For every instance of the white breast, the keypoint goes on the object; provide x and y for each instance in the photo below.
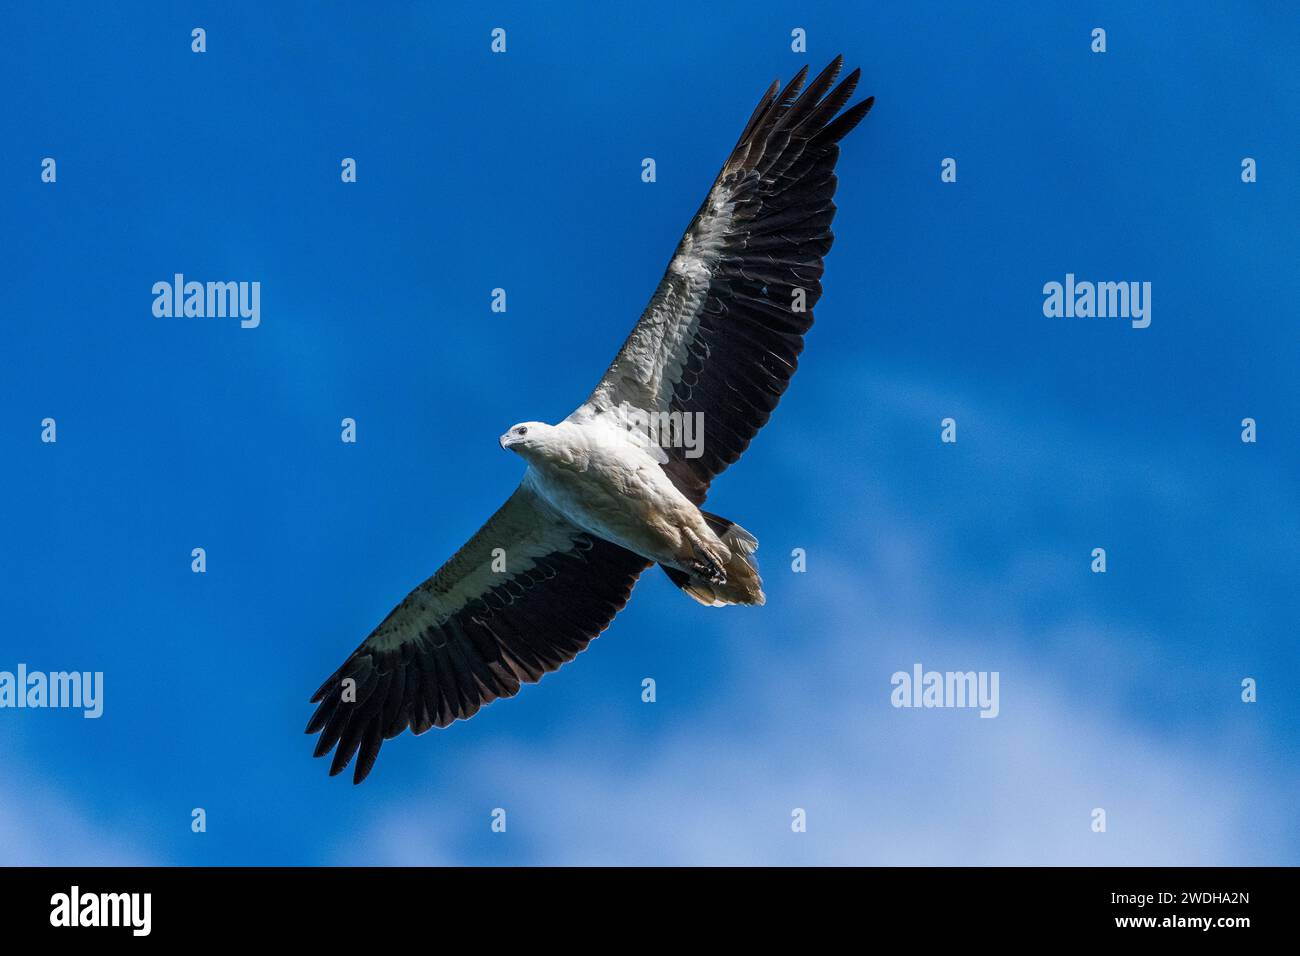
(608, 484)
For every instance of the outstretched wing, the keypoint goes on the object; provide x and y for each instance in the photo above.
(471, 633)
(723, 332)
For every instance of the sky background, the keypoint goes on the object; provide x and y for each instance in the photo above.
(1119, 691)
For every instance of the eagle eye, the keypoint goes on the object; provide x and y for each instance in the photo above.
(521, 430)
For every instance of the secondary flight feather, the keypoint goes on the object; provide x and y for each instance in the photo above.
(603, 497)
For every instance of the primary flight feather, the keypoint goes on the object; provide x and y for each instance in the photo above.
(602, 499)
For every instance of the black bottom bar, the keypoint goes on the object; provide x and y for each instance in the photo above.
(336, 906)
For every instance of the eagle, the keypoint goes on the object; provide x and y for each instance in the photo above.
(603, 496)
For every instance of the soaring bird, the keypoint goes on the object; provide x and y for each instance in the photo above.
(604, 495)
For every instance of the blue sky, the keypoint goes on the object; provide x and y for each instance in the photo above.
(522, 171)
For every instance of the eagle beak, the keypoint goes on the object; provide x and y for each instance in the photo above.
(502, 440)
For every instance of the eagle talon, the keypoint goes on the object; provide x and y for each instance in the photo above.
(709, 569)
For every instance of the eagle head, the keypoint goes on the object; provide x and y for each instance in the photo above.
(525, 437)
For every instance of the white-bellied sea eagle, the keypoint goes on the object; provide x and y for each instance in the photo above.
(601, 499)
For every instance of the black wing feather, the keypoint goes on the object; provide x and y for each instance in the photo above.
(727, 345)
(529, 624)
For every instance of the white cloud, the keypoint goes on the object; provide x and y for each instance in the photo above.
(814, 729)
(40, 826)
